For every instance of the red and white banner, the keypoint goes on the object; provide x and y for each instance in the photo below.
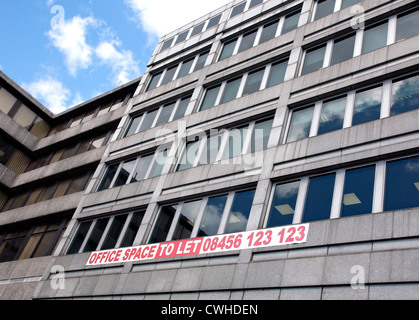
(221, 243)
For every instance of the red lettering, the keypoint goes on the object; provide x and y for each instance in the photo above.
(93, 259)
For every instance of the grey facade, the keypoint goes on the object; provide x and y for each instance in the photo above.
(326, 85)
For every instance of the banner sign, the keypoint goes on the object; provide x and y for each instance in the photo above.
(221, 243)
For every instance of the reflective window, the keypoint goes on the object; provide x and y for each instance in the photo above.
(158, 165)
(211, 149)
(240, 211)
(186, 222)
(212, 216)
(154, 81)
(96, 235)
(332, 115)
(142, 168)
(198, 29)
(253, 82)
(402, 184)
(324, 8)
(277, 74)
(358, 191)
(269, 32)
(165, 114)
(182, 37)
(367, 106)
(254, 3)
(238, 9)
(405, 95)
(230, 91)
(228, 49)
(109, 175)
(189, 155)
(300, 124)
(214, 21)
(164, 221)
(210, 97)
(260, 135)
(291, 22)
(248, 41)
(124, 173)
(235, 143)
(201, 61)
(181, 109)
(166, 45)
(148, 120)
(313, 60)
(343, 50)
(319, 197)
(168, 76)
(283, 204)
(375, 38)
(132, 229)
(407, 26)
(114, 232)
(185, 69)
(348, 3)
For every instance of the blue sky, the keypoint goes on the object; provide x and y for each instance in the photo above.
(64, 52)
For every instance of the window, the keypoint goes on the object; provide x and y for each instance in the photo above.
(367, 106)
(283, 204)
(402, 184)
(198, 29)
(214, 21)
(260, 135)
(202, 59)
(319, 197)
(313, 60)
(358, 192)
(277, 74)
(332, 115)
(254, 3)
(348, 3)
(247, 41)
(185, 69)
(168, 76)
(238, 9)
(208, 216)
(182, 37)
(300, 124)
(375, 38)
(155, 79)
(324, 8)
(291, 22)
(189, 155)
(343, 49)
(228, 49)
(269, 32)
(405, 95)
(253, 82)
(235, 143)
(230, 91)
(107, 233)
(210, 97)
(167, 44)
(407, 26)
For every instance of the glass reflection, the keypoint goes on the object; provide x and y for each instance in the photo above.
(367, 106)
(319, 198)
(240, 211)
(300, 124)
(186, 220)
(283, 204)
(405, 95)
(212, 216)
(332, 115)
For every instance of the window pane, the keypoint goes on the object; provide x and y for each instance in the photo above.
(24, 116)
(211, 149)
(185, 69)
(358, 192)
(300, 124)
(348, 3)
(154, 81)
(132, 229)
(165, 114)
(277, 74)
(163, 224)
(133, 126)
(253, 82)
(76, 185)
(319, 198)
(234, 146)
(283, 205)
(230, 90)
(186, 220)
(240, 211)
(214, 21)
(123, 175)
(108, 177)
(375, 38)
(269, 32)
(114, 232)
(254, 3)
(182, 37)
(238, 9)
(158, 164)
(197, 29)
(248, 41)
(228, 49)
(402, 184)
(260, 135)
(343, 50)
(168, 76)
(166, 45)
(46, 244)
(291, 22)
(96, 235)
(181, 109)
(188, 158)
(324, 8)
(142, 168)
(212, 216)
(148, 120)
(332, 115)
(313, 60)
(201, 61)
(210, 98)
(407, 26)
(405, 95)
(367, 106)
(7, 101)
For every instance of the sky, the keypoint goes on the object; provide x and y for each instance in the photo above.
(65, 52)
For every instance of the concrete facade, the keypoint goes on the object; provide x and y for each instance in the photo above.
(372, 256)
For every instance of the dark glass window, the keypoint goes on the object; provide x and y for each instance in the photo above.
(291, 22)
(367, 106)
(154, 81)
(163, 224)
(214, 21)
(133, 126)
(165, 114)
(158, 165)
(240, 211)
(187, 220)
(235, 143)
(402, 184)
(277, 74)
(319, 197)
(313, 60)
(358, 191)
(254, 3)
(148, 120)
(201, 61)
(210, 97)
(324, 8)
(375, 38)
(348, 3)
(166, 45)
(141, 170)
(405, 95)
(407, 26)
(269, 32)
(300, 124)
(96, 235)
(189, 155)
(114, 232)
(185, 69)
(211, 149)
(238, 9)
(212, 216)
(228, 49)
(124, 173)
(230, 91)
(107, 179)
(260, 135)
(132, 229)
(182, 37)
(181, 109)
(248, 41)
(253, 82)
(331, 117)
(343, 50)
(79, 238)
(168, 76)
(283, 204)
(198, 29)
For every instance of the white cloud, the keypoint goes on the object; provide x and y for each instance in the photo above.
(124, 66)
(69, 37)
(159, 17)
(51, 92)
